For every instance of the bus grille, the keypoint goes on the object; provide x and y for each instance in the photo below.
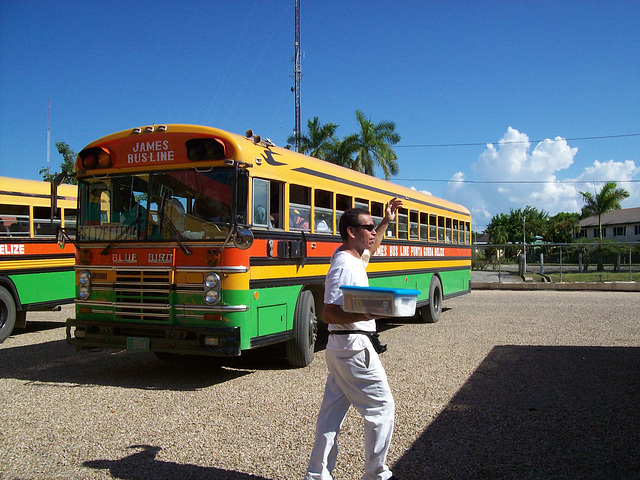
(143, 295)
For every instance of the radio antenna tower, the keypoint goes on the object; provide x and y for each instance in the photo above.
(48, 133)
(297, 73)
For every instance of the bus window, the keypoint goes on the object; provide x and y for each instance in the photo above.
(299, 207)
(276, 204)
(466, 233)
(70, 222)
(414, 233)
(455, 231)
(343, 202)
(361, 203)
(377, 212)
(448, 231)
(15, 220)
(433, 228)
(260, 202)
(441, 229)
(403, 224)
(42, 222)
(424, 226)
(323, 213)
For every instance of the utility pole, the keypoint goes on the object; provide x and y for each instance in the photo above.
(297, 73)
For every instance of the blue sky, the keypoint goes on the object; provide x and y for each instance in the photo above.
(543, 74)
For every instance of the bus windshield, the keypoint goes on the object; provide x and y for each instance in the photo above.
(170, 205)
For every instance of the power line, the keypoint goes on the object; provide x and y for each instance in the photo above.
(432, 145)
(504, 182)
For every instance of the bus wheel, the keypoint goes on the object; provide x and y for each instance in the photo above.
(431, 313)
(7, 314)
(305, 330)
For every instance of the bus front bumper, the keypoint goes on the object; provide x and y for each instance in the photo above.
(212, 341)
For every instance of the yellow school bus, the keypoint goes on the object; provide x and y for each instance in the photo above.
(35, 273)
(194, 240)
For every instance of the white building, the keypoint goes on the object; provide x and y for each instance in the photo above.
(618, 226)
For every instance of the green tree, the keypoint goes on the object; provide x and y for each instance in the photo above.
(374, 142)
(607, 199)
(67, 166)
(514, 225)
(318, 142)
(562, 226)
(510, 228)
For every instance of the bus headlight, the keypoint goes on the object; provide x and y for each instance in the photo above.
(84, 284)
(212, 288)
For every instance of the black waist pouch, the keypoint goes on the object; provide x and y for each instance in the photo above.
(373, 336)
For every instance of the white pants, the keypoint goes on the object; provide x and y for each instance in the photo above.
(358, 379)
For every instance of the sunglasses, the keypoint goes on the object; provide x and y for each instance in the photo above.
(370, 227)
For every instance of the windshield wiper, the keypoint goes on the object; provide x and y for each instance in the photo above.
(177, 236)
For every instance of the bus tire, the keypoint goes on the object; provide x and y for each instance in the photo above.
(431, 313)
(7, 314)
(301, 347)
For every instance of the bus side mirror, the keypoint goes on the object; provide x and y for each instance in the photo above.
(243, 238)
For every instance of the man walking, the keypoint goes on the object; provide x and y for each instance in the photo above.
(356, 375)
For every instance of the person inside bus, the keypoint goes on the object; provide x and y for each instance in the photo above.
(298, 220)
(356, 375)
(211, 210)
(175, 213)
(321, 224)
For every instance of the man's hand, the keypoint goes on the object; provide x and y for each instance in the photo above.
(389, 216)
(391, 209)
(332, 313)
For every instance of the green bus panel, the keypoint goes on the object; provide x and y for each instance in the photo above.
(455, 281)
(44, 287)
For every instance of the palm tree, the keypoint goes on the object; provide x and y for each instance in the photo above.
(374, 143)
(318, 141)
(606, 200)
(342, 152)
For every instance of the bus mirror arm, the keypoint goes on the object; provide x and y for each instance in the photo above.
(55, 182)
(61, 234)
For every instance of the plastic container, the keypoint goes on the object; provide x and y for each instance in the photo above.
(387, 302)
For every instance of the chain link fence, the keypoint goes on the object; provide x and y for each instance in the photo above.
(588, 262)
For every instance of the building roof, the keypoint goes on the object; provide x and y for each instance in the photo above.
(624, 216)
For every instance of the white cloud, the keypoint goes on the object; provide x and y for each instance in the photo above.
(620, 172)
(426, 192)
(531, 178)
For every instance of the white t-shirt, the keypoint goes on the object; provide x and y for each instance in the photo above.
(346, 270)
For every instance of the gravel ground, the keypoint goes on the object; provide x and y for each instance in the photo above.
(508, 385)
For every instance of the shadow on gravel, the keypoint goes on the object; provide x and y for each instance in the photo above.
(144, 466)
(37, 326)
(57, 362)
(537, 413)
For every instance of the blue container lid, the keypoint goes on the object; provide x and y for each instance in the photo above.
(395, 291)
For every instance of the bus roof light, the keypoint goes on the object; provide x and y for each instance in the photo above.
(97, 157)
